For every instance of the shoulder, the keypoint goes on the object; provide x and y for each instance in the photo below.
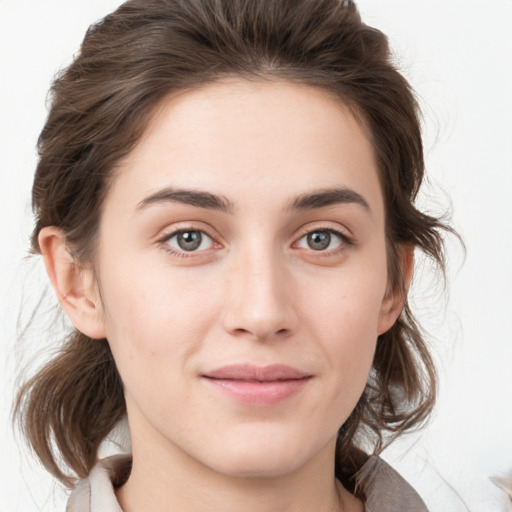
(386, 490)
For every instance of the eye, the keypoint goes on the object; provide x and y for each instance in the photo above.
(322, 240)
(190, 240)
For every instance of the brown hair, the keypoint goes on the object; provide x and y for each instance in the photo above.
(100, 107)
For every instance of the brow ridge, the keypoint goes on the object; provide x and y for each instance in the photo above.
(191, 197)
(328, 197)
(308, 201)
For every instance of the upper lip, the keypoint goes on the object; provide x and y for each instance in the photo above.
(250, 372)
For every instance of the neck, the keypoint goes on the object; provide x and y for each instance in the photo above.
(166, 480)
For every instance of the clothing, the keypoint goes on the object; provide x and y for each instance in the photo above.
(385, 489)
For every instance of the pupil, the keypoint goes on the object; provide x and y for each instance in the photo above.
(189, 240)
(319, 240)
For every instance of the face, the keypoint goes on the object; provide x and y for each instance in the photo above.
(242, 272)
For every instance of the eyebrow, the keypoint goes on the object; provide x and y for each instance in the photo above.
(307, 201)
(328, 197)
(191, 197)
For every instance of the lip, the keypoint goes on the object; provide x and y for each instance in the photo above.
(257, 385)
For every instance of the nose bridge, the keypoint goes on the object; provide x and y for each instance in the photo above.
(260, 302)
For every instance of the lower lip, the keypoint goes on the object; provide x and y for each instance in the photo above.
(258, 393)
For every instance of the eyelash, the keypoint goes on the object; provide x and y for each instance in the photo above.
(164, 242)
(345, 241)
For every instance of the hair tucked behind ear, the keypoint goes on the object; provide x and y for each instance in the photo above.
(128, 63)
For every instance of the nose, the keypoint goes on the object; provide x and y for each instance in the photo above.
(259, 300)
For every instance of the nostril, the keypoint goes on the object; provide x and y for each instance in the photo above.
(244, 332)
(283, 333)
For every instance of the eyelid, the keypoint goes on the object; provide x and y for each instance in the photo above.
(346, 238)
(333, 227)
(183, 227)
(205, 239)
(344, 234)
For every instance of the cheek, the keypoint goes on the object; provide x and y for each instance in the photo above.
(347, 312)
(350, 302)
(151, 317)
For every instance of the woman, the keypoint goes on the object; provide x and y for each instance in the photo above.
(225, 208)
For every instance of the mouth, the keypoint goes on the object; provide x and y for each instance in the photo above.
(257, 385)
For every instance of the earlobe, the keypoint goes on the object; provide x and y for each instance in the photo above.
(75, 287)
(394, 300)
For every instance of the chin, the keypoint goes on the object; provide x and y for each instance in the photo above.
(262, 456)
(258, 466)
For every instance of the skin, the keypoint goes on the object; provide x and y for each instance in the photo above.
(255, 291)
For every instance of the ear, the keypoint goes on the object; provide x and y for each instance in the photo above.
(394, 300)
(75, 287)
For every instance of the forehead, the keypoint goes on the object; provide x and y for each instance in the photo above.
(252, 139)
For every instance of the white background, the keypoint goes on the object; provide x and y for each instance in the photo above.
(458, 56)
